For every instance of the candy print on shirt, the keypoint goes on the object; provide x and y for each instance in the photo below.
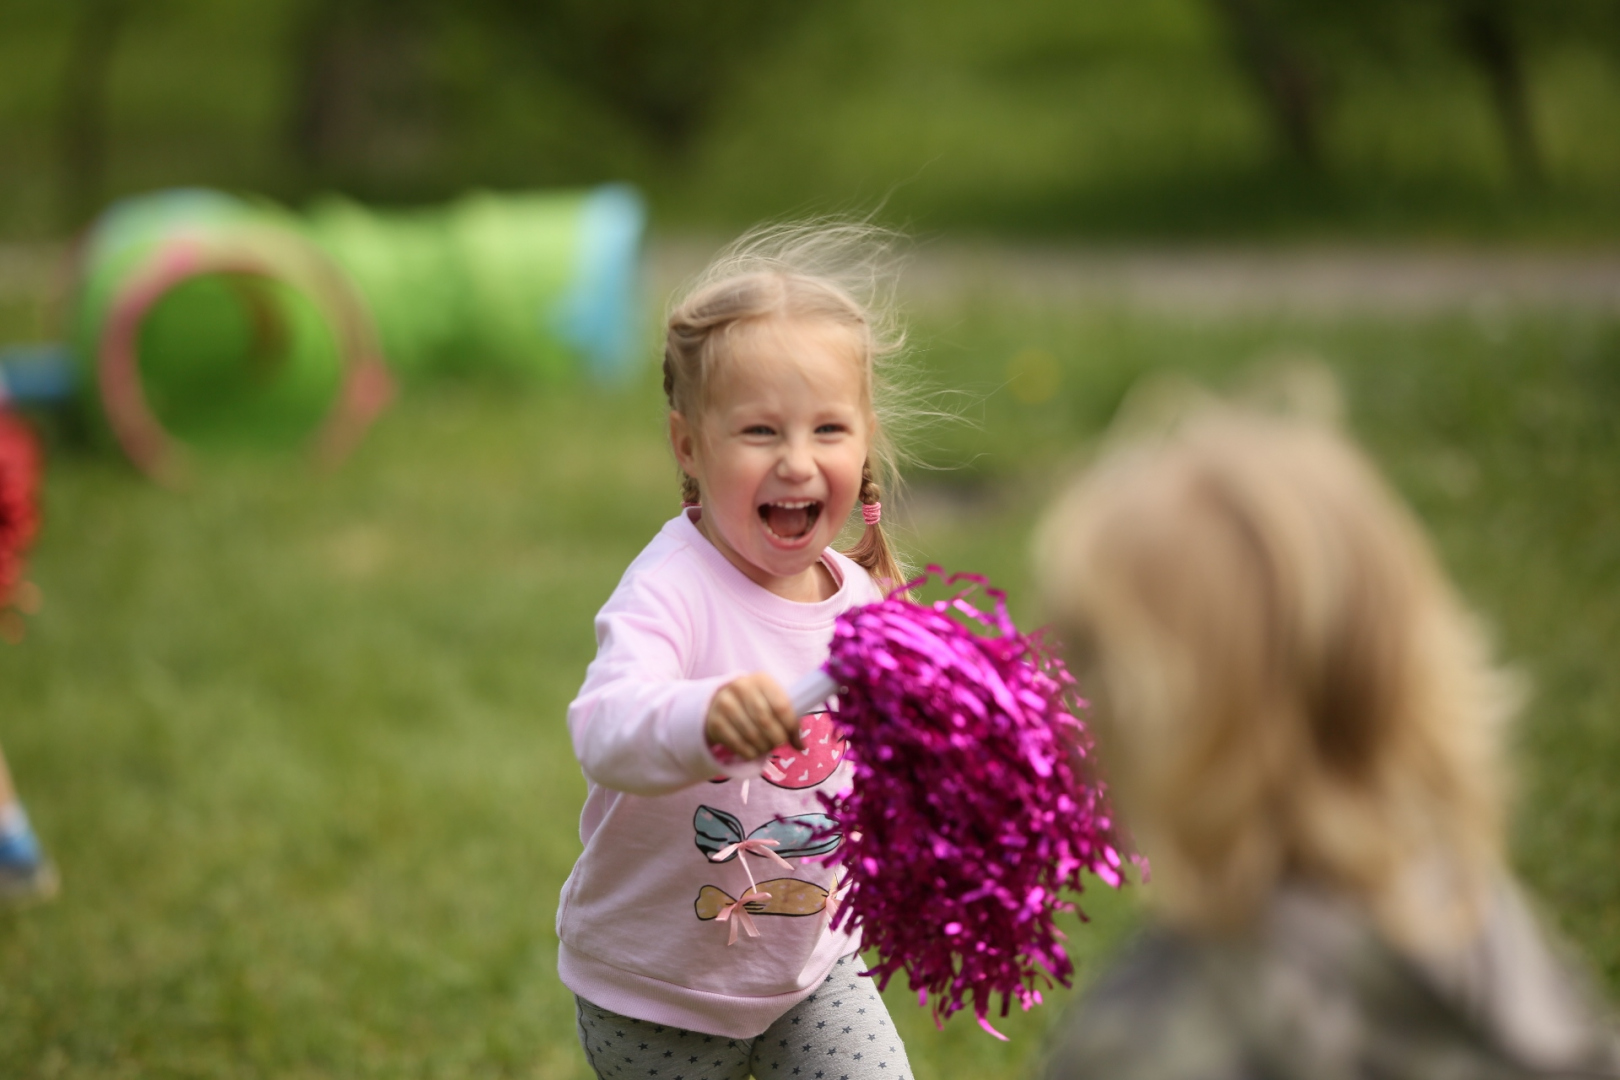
(807, 768)
(719, 837)
(796, 836)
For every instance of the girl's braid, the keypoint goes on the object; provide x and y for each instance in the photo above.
(872, 551)
(690, 494)
(870, 492)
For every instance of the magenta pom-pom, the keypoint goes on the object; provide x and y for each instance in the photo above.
(974, 805)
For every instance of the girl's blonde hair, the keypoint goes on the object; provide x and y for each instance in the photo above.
(840, 273)
(1286, 687)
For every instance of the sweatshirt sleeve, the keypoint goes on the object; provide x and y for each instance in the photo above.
(637, 724)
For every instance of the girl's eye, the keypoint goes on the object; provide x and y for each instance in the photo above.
(759, 429)
(829, 429)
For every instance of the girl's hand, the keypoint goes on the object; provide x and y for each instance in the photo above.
(751, 716)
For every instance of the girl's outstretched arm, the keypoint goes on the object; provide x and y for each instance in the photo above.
(638, 722)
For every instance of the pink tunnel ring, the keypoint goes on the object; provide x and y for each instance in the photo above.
(366, 386)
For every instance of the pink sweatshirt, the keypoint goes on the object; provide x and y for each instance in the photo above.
(646, 915)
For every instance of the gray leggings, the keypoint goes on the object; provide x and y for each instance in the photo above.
(840, 1032)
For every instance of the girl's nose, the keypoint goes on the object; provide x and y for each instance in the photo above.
(797, 461)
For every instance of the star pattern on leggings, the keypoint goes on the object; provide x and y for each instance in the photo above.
(794, 1059)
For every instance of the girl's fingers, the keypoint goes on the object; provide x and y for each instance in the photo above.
(778, 714)
(752, 716)
(727, 725)
(720, 730)
(761, 718)
(781, 707)
(735, 705)
(756, 743)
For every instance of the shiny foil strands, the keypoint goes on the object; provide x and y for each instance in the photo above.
(974, 803)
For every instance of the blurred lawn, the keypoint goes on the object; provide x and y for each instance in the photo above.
(297, 742)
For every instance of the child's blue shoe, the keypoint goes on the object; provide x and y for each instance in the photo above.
(26, 875)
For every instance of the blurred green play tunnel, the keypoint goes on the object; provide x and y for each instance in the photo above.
(200, 321)
(237, 359)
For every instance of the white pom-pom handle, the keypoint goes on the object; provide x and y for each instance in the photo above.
(811, 690)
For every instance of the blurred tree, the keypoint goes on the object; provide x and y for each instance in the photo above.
(369, 88)
(81, 128)
(1497, 36)
(363, 99)
(1293, 51)
(1490, 37)
(660, 66)
(1285, 76)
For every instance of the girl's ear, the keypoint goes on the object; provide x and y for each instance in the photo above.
(683, 440)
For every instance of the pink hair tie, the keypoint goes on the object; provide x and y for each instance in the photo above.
(689, 505)
(872, 513)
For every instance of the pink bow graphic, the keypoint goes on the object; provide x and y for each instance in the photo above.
(753, 846)
(738, 907)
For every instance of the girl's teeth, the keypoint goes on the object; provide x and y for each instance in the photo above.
(790, 518)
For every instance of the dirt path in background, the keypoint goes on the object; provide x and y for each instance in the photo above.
(1237, 280)
(1196, 281)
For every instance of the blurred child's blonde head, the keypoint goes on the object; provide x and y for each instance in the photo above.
(826, 273)
(1286, 687)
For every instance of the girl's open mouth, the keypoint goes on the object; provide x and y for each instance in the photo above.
(790, 519)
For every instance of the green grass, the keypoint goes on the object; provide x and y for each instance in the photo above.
(297, 740)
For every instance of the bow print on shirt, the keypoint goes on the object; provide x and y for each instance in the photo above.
(719, 836)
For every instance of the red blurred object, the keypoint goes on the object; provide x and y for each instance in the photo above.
(20, 466)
